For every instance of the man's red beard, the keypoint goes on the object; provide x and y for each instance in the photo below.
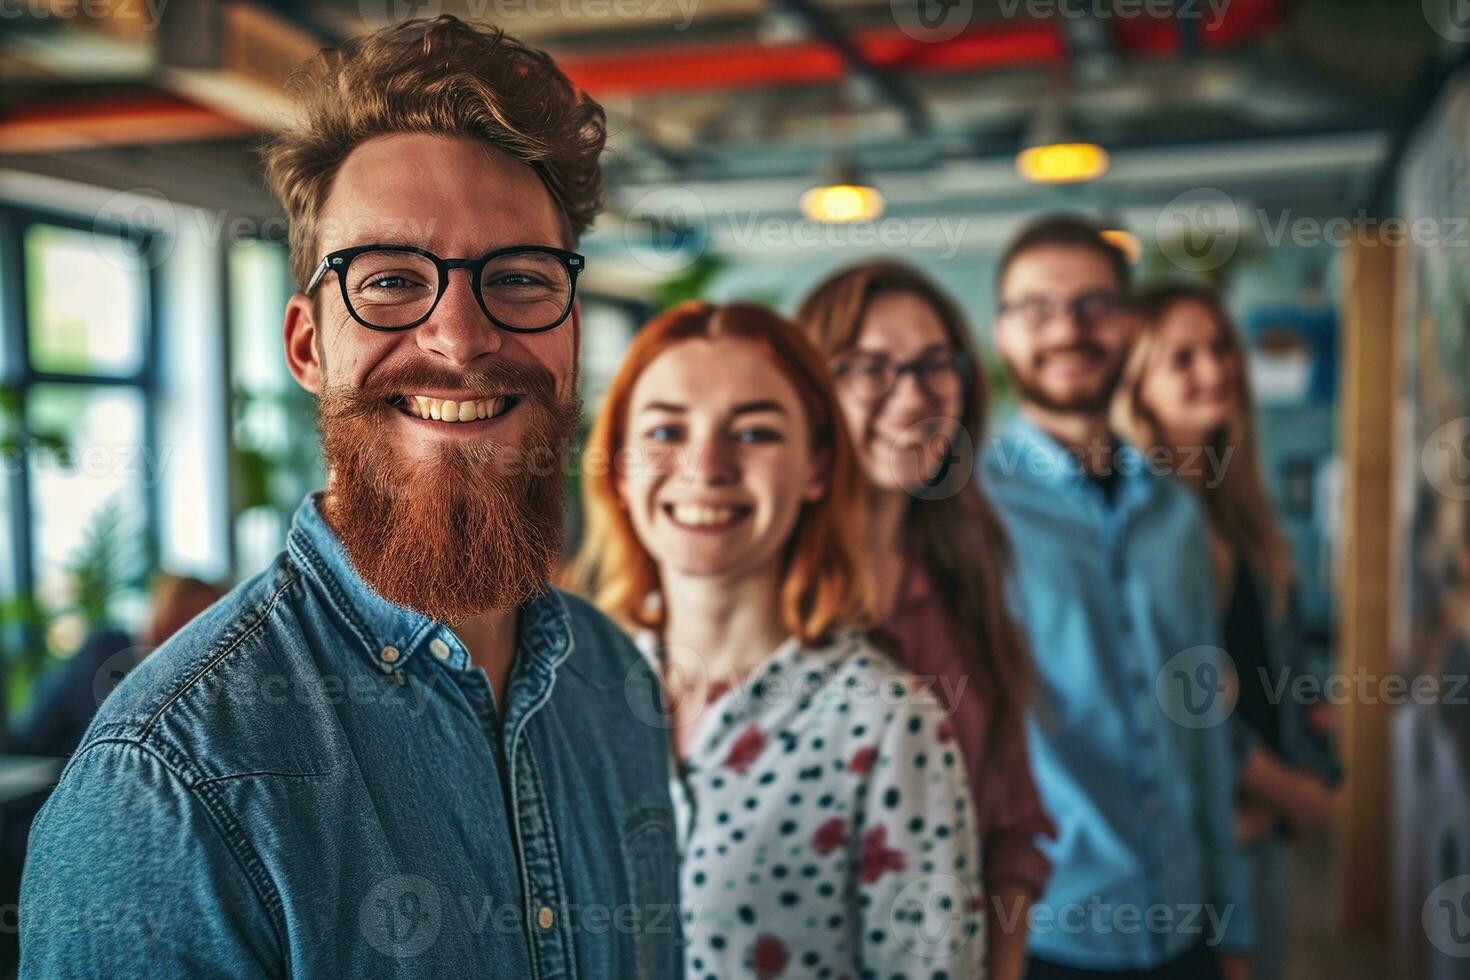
(476, 527)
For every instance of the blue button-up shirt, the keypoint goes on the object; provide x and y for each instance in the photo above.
(309, 780)
(1116, 599)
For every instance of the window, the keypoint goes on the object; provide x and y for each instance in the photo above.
(79, 476)
(276, 459)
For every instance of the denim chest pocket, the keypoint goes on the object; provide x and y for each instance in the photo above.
(653, 873)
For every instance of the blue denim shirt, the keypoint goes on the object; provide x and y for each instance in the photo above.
(309, 780)
(1117, 603)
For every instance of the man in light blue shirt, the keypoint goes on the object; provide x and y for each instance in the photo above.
(1112, 582)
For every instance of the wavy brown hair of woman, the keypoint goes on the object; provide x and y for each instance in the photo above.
(960, 538)
(1238, 508)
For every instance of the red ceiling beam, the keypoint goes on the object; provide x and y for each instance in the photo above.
(750, 65)
(1242, 20)
(984, 47)
(144, 118)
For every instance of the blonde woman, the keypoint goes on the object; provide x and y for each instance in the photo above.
(1187, 398)
(823, 815)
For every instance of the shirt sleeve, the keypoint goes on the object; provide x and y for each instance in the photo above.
(918, 853)
(1011, 818)
(128, 875)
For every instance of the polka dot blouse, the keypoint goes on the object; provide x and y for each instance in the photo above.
(825, 825)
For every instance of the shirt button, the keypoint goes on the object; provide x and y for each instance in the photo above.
(389, 655)
(544, 918)
(439, 648)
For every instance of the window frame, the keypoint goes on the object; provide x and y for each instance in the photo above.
(17, 371)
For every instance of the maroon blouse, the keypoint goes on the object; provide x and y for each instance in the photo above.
(1007, 807)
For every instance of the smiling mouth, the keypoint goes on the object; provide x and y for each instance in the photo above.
(449, 410)
(700, 517)
(1073, 359)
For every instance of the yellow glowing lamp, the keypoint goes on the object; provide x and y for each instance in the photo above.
(842, 203)
(1125, 242)
(1062, 163)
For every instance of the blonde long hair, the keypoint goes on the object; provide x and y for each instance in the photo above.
(960, 540)
(1242, 522)
(824, 577)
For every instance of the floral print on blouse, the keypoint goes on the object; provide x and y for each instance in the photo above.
(825, 824)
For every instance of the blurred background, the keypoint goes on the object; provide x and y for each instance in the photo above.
(1310, 157)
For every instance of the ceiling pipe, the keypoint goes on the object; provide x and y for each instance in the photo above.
(858, 66)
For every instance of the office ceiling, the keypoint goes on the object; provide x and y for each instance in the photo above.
(746, 101)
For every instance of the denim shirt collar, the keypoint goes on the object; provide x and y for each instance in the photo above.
(1035, 454)
(390, 634)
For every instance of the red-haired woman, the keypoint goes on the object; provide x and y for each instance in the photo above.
(825, 820)
(913, 399)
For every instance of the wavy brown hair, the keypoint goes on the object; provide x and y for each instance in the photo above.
(442, 77)
(959, 539)
(824, 574)
(1242, 521)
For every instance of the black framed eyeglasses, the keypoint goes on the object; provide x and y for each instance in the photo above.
(1087, 309)
(871, 377)
(523, 288)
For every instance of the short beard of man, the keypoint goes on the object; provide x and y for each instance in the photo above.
(1085, 403)
(479, 525)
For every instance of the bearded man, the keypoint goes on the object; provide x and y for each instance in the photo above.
(1111, 581)
(397, 751)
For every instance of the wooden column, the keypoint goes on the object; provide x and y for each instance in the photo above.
(1369, 390)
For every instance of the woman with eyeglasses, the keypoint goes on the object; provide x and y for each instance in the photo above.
(913, 399)
(1186, 392)
(824, 817)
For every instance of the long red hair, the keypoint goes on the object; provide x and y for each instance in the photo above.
(824, 582)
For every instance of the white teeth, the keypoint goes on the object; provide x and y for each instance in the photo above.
(449, 410)
(696, 515)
